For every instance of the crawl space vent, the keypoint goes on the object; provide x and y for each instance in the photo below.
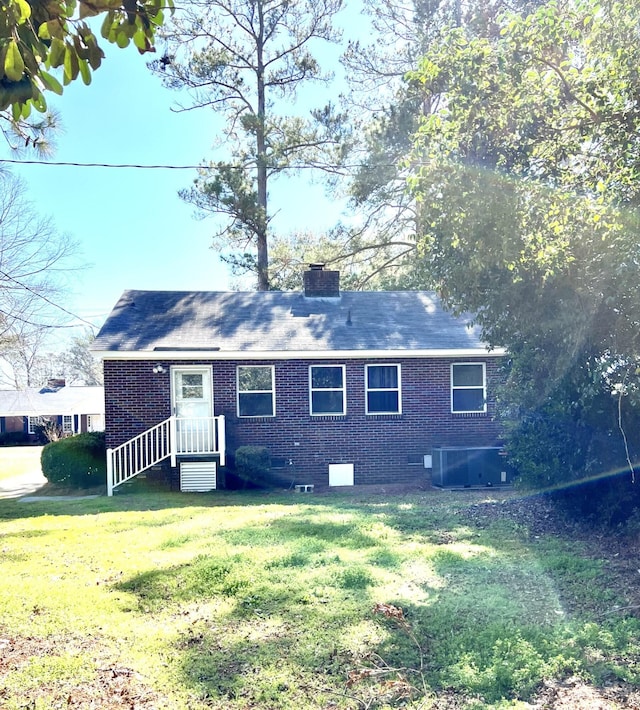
(198, 476)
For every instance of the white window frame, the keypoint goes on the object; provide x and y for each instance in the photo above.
(67, 418)
(34, 422)
(368, 390)
(483, 365)
(271, 391)
(342, 389)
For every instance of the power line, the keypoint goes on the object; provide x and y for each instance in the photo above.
(136, 166)
(67, 164)
(46, 300)
(47, 326)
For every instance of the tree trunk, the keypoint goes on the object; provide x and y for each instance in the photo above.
(261, 166)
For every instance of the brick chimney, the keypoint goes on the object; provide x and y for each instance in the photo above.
(56, 383)
(321, 283)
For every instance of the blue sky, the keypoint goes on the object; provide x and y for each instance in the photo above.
(132, 229)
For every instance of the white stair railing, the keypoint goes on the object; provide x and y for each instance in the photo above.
(138, 454)
(170, 438)
(198, 435)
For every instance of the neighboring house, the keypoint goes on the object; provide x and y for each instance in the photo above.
(342, 388)
(71, 409)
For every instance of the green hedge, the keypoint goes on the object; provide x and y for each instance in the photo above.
(77, 461)
(253, 463)
(13, 438)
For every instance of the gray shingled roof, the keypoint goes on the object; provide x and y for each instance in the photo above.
(35, 402)
(262, 322)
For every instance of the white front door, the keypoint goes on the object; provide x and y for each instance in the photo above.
(192, 401)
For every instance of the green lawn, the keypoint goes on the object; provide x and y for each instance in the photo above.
(232, 600)
(17, 460)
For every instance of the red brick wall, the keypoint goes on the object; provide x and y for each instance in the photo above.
(380, 446)
(321, 282)
(135, 399)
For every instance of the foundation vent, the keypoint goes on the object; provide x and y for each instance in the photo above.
(198, 476)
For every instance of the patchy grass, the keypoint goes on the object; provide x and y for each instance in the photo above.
(356, 600)
(18, 460)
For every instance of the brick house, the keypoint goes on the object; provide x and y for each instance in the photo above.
(70, 409)
(342, 388)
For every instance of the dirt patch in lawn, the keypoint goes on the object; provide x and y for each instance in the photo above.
(111, 687)
(571, 694)
(54, 490)
(575, 694)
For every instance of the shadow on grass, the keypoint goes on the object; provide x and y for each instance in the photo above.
(14, 508)
(273, 664)
(284, 603)
(500, 627)
(305, 528)
(284, 608)
(276, 610)
(267, 633)
(266, 585)
(282, 635)
(148, 496)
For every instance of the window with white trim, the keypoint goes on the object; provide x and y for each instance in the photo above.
(67, 424)
(256, 393)
(327, 389)
(382, 384)
(34, 423)
(468, 387)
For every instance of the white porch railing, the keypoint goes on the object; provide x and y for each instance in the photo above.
(173, 437)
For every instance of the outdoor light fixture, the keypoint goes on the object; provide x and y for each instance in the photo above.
(158, 369)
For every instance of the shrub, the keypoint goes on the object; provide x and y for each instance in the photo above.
(48, 431)
(11, 438)
(41, 432)
(253, 464)
(77, 461)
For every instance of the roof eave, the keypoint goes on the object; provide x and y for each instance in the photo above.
(296, 354)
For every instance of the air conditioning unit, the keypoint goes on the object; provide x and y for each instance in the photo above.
(469, 467)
